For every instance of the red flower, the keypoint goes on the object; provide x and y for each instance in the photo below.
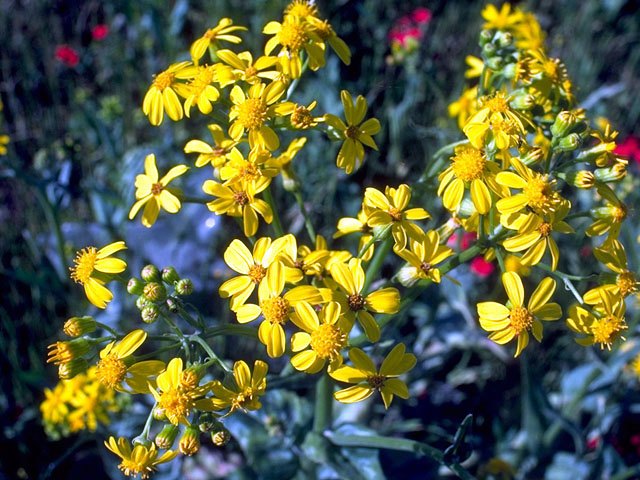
(100, 31)
(421, 15)
(481, 267)
(629, 148)
(67, 55)
(593, 442)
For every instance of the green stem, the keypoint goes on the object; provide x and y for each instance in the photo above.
(155, 353)
(108, 329)
(324, 403)
(376, 263)
(366, 247)
(147, 424)
(241, 330)
(183, 340)
(205, 346)
(196, 200)
(307, 221)
(277, 226)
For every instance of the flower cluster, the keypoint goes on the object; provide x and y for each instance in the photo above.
(407, 32)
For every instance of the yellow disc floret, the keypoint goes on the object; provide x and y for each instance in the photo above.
(468, 164)
(257, 273)
(627, 283)
(84, 263)
(540, 194)
(275, 310)
(111, 371)
(497, 104)
(164, 80)
(607, 330)
(327, 341)
(521, 319)
(292, 36)
(252, 113)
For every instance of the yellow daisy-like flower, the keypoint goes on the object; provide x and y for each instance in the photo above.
(299, 115)
(244, 390)
(276, 308)
(625, 283)
(4, 140)
(176, 398)
(283, 162)
(325, 333)
(370, 379)
(470, 168)
(90, 263)
(116, 365)
(505, 323)
(355, 132)
(54, 408)
(239, 200)
(603, 325)
(153, 193)
(603, 153)
(253, 111)
(465, 107)
(253, 267)
(350, 281)
(244, 68)
(347, 225)
(390, 208)
(161, 95)
(422, 257)
(217, 154)
(538, 192)
(247, 170)
(503, 19)
(326, 33)
(139, 461)
(200, 91)
(608, 218)
(534, 235)
(213, 36)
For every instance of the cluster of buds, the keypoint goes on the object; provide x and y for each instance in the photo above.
(407, 33)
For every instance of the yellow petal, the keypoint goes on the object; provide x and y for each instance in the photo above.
(492, 311)
(353, 394)
(542, 294)
(386, 300)
(397, 362)
(242, 374)
(514, 288)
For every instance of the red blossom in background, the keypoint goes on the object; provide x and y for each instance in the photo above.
(409, 30)
(481, 267)
(421, 15)
(100, 31)
(67, 55)
(630, 148)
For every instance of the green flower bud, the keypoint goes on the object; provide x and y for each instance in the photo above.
(485, 37)
(64, 352)
(504, 39)
(172, 305)
(167, 436)
(184, 287)
(221, 436)
(582, 179)
(135, 286)
(611, 174)
(67, 371)
(207, 422)
(150, 313)
(563, 123)
(150, 273)
(155, 292)
(568, 143)
(495, 63)
(534, 155)
(159, 414)
(141, 440)
(142, 302)
(76, 326)
(522, 101)
(381, 232)
(169, 275)
(190, 441)
(489, 50)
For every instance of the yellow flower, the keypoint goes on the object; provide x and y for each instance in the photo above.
(464, 107)
(244, 391)
(347, 225)
(325, 333)
(390, 209)
(89, 263)
(476, 65)
(283, 162)
(534, 235)
(603, 153)
(276, 308)
(470, 168)
(4, 140)
(502, 19)
(608, 218)
(299, 115)
(54, 408)
(326, 33)
(222, 31)
(612, 255)
(177, 399)
(505, 323)
(369, 379)
(161, 95)
(294, 35)
(139, 461)
(252, 266)
(92, 403)
(548, 75)
(153, 193)
(603, 325)
(301, 8)
(240, 200)
(116, 365)
(244, 68)
(238, 169)
(350, 281)
(66, 352)
(217, 154)
(200, 91)
(355, 133)
(538, 192)
(253, 111)
(423, 256)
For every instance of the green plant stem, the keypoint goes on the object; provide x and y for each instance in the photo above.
(277, 226)
(241, 330)
(323, 411)
(376, 263)
(307, 221)
(400, 444)
(196, 200)
(366, 247)
(185, 315)
(147, 424)
(183, 340)
(108, 329)
(155, 353)
(205, 346)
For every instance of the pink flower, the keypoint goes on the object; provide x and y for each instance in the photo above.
(67, 55)
(629, 148)
(421, 15)
(100, 31)
(593, 442)
(481, 267)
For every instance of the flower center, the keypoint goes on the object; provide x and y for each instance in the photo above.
(156, 188)
(132, 468)
(111, 371)
(425, 267)
(242, 399)
(619, 213)
(250, 72)
(497, 104)
(626, 282)
(520, 319)
(301, 8)
(396, 215)
(356, 302)
(352, 132)
(203, 79)
(250, 173)
(323, 30)
(252, 113)
(540, 194)
(189, 380)
(301, 117)
(241, 198)
(84, 263)
(275, 310)
(257, 273)
(327, 341)
(376, 381)
(163, 80)
(292, 36)
(468, 164)
(545, 229)
(175, 403)
(606, 330)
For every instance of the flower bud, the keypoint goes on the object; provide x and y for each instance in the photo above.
(135, 286)
(485, 37)
(172, 305)
(76, 326)
(155, 292)
(150, 313)
(582, 179)
(159, 414)
(184, 287)
(167, 436)
(563, 123)
(611, 174)
(142, 302)
(221, 436)
(169, 275)
(67, 371)
(150, 273)
(381, 232)
(489, 50)
(534, 155)
(207, 422)
(495, 63)
(568, 143)
(64, 352)
(504, 39)
(522, 101)
(190, 377)
(141, 440)
(190, 441)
